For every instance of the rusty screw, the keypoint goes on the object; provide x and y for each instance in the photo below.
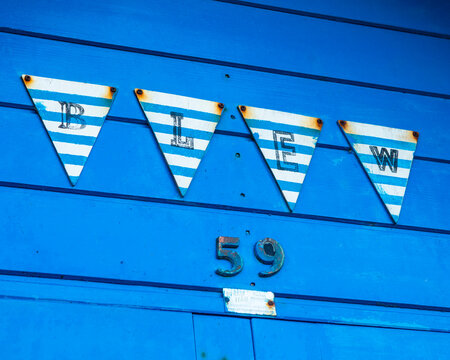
(415, 134)
(320, 122)
(270, 303)
(139, 92)
(342, 122)
(27, 77)
(220, 105)
(243, 108)
(113, 89)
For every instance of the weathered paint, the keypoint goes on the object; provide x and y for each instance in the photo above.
(73, 114)
(287, 142)
(183, 127)
(386, 154)
(353, 284)
(249, 302)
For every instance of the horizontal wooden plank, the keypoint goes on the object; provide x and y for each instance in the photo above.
(126, 160)
(126, 71)
(110, 292)
(91, 236)
(226, 32)
(313, 341)
(429, 16)
(49, 330)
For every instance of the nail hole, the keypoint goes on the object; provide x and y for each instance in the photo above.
(247, 232)
(227, 76)
(238, 155)
(233, 117)
(252, 284)
(242, 194)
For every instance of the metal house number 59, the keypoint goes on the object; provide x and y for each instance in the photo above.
(268, 251)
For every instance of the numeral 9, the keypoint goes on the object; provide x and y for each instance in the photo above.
(268, 251)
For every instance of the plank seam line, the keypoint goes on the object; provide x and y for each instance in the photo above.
(337, 18)
(65, 277)
(231, 208)
(216, 313)
(230, 64)
(218, 131)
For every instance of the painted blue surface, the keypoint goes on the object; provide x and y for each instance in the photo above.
(243, 35)
(49, 330)
(122, 267)
(328, 101)
(321, 257)
(220, 337)
(290, 340)
(401, 15)
(335, 178)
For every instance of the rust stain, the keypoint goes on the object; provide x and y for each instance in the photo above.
(313, 123)
(319, 123)
(343, 123)
(245, 111)
(27, 79)
(142, 95)
(219, 108)
(415, 136)
(270, 303)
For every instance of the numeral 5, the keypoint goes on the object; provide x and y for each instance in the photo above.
(222, 243)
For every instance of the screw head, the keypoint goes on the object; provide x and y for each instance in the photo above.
(139, 91)
(113, 89)
(220, 105)
(227, 299)
(27, 77)
(270, 303)
(320, 122)
(243, 108)
(415, 134)
(342, 122)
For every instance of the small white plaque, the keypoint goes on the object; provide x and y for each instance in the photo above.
(249, 302)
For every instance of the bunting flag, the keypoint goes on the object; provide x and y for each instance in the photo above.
(73, 114)
(183, 127)
(386, 154)
(287, 142)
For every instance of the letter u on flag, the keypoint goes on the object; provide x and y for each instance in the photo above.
(183, 127)
(287, 142)
(73, 114)
(386, 155)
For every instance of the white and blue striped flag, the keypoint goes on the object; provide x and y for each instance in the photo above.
(73, 114)
(287, 142)
(183, 127)
(386, 155)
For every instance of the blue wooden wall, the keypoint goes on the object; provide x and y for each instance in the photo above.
(121, 267)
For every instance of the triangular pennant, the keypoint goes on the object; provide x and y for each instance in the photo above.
(386, 154)
(287, 142)
(73, 114)
(183, 127)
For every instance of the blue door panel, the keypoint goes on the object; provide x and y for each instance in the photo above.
(63, 330)
(62, 233)
(222, 338)
(283, 340)
(127, 71)
(216, 30)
